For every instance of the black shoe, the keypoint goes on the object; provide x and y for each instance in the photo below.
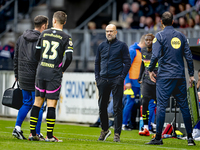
(116, 137)
(155, 142)
(104, 135)
(96, 124)
(18, 134)
(191, 142)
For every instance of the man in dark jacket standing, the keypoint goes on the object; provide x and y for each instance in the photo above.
(111, 67)
(25, 65)
(169, 48)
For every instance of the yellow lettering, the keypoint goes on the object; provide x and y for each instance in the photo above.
(44, 64)
(52, 35)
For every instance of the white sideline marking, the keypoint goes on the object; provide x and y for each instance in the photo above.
(100, 141)
(161, 147)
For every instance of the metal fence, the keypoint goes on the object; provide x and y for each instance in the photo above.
(86, 43)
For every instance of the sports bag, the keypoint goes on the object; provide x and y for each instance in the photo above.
(12, 97)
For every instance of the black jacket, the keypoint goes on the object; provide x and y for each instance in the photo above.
(112, 60)
(25, 62)
(144, 74)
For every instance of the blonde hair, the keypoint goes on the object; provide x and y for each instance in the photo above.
(142, 38)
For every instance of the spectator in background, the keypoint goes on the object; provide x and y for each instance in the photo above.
(182, 22)
(135, 15)
(93, 34)
(91, 25)
(149, 24)
(198, 6)
(160, 7)
(146, 8)
(191, 23)
(155, 5)
(7, 51)
(103, 26)
(124, 16)
(142, 24)
(172, 10)
(6, 56)
(181, 7)
(197, 17)
(166, 4)
(191, 14)
(158, 25)
(100, 37)
(96, 38)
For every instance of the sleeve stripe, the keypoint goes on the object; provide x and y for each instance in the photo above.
(68, 50)
(70, 47)
(38, 47)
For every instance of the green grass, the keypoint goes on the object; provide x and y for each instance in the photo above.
(76, 137)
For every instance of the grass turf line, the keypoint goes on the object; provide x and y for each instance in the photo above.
(77, 137)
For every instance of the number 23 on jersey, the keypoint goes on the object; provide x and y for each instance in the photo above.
(53, 45)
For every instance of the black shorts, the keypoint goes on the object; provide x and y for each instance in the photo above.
(48, 89)
(148, 91)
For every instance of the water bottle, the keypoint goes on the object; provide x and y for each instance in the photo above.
(167, 136)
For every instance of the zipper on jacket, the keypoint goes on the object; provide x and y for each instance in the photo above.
(108, 58)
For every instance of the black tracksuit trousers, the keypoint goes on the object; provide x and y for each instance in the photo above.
(105, 87)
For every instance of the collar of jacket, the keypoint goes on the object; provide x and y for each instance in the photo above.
(112, 41)
(168, 27)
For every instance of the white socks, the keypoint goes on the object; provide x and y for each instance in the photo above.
(18, 128)
(146, 126)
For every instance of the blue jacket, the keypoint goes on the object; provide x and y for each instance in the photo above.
(136, 69)
(112, 60)
(169, 48)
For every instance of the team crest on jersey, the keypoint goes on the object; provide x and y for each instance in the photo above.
(154, 40)
(176, 43)
(70, 43)
(54, 31)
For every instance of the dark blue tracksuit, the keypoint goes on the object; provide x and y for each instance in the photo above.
(169, 48)
(112, 64)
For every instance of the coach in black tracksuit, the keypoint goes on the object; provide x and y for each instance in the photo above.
(111, 67)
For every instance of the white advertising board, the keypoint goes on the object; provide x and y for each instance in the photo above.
(78, 98)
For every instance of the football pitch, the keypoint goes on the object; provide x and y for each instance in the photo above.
(81, 137)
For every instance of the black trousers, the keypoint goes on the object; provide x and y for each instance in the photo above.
(105, 87)
(148, 92)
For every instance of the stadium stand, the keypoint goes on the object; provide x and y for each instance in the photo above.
(98, 12)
